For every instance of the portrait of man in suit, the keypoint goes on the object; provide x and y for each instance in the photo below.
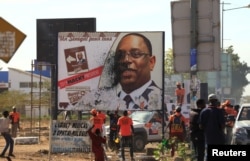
(134, 61)
(80, 58)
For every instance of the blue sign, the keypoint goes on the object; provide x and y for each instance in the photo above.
(193, 59)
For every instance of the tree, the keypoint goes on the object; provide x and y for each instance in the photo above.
(169, 62)
(21, 99)
(11, 98)
(239, 73)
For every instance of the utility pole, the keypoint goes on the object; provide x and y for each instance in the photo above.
(222, 26)
(193, 51)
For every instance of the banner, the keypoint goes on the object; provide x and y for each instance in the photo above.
(98, 69)
(70, 136)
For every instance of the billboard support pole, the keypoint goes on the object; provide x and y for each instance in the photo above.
(193, 52)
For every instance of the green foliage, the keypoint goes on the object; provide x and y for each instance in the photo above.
(20, 98)
(169, 67)
(163, 153)
(11, 98)
(169, 62)
(239, 72)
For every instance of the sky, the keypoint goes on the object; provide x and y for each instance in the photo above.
(116, 15)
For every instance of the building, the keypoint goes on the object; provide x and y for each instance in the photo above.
(28, 82)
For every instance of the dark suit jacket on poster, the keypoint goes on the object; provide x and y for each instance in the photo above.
(151, 89)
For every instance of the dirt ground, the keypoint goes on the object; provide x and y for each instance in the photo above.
(40, 151)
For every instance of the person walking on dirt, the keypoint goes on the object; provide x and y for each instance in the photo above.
(126, 131)
(97, 143)
(4, 129)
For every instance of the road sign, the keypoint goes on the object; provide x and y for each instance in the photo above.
(10, 39)
(208, 48)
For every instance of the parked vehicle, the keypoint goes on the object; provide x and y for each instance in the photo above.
(148, 128)
(241, 129)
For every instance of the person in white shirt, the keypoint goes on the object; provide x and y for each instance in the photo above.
(5, 132)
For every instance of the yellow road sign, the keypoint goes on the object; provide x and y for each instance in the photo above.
(10, 39)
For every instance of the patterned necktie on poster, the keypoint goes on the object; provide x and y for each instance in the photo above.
(127, 99)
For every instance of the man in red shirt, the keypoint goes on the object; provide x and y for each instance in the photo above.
(15, 118)
(102, 115)
(126, 130)
(96, 120)
(180, 93)
(230, 115)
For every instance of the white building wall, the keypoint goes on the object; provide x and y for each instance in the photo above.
(43, 111)
(16, 76)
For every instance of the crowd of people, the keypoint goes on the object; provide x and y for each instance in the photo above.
(209, 123)
(121, 127)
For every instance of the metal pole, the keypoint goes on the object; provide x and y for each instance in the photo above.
(222, 26)
(31, 96)
(222, 21)
(40, 90)
(193, 51)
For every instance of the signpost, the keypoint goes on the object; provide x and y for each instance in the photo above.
(10, 39)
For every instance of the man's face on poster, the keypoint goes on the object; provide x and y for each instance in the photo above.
(79, 55)
(135, 62)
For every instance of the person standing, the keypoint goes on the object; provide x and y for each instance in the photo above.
(230, 115)
(197, 134)
(126, 131)
(97, 143)
(177, 128)
(96, 120)
(101, 115)
(15, 120)
(212, 121)
(113, 119)
(179, 93)
(4, 127)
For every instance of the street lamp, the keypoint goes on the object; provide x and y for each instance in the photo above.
(222, 20)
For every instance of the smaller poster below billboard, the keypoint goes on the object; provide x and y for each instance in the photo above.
(70, 136)
(110, 70)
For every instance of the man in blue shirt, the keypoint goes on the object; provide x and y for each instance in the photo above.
(212, 121)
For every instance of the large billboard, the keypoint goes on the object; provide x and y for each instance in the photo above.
(110, 70)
